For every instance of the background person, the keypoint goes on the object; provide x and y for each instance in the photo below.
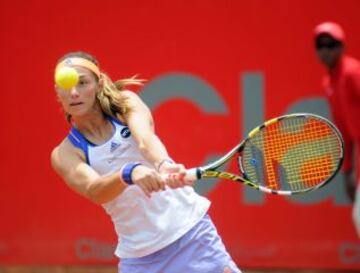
(342, 87)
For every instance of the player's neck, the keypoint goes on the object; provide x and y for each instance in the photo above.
(93, 124)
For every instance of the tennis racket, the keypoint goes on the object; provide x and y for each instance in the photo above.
(291, 154)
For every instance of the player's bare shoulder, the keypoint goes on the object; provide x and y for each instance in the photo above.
(134, 102)
(132, 99)
(63, 153)
(129, 94)
(136, 107)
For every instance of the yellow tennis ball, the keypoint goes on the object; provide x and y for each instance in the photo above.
(66, 77)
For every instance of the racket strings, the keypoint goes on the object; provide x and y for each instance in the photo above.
(293, 154)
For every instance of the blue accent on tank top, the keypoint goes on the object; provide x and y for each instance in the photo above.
(79, 141)
(115, 120)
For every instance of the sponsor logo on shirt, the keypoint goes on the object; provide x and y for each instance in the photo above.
(125, 132)
(114, 146)
(117, 155)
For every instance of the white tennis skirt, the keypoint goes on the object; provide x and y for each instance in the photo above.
(200, 250)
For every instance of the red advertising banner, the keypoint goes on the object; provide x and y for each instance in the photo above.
(215, 69)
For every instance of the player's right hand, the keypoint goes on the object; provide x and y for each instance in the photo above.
(174, 175)
(147, 179)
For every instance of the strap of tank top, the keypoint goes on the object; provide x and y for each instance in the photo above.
(79, 141)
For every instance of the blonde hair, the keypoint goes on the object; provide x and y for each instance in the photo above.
(112, 101)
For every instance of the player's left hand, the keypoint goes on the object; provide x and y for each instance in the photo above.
(174, 174)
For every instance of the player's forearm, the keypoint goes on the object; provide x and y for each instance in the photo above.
(105, 188)
(153, 150)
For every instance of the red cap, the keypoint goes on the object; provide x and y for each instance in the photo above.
(332, 29)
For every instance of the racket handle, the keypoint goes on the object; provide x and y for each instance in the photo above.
(190, 176)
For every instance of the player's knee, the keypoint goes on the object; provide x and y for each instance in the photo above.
(227, 270)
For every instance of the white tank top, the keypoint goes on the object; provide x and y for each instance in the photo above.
(143, 225)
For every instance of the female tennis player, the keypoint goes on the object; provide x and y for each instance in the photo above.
(113, 157)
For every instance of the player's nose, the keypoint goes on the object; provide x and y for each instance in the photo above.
(74, 92)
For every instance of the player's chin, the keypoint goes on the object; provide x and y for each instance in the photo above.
(78, 111)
